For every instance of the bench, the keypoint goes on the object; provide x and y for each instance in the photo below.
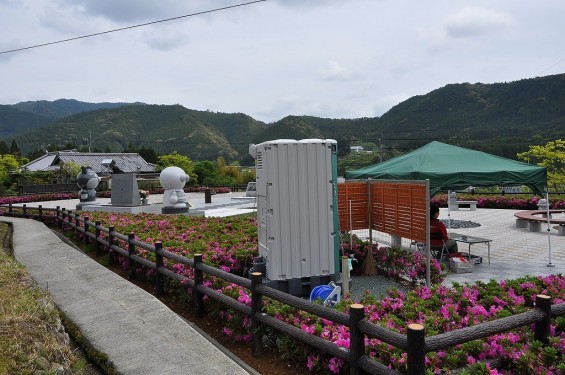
(533, 220)
(456, 205)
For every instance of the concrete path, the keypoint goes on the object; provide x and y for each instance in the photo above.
(514, 252)
(139, 334)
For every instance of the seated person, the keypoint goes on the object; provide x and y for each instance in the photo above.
(438, 233)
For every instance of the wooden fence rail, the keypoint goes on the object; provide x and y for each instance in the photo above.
(414, 343)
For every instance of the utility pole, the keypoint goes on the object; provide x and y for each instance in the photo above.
(381, 147)
(89, 140)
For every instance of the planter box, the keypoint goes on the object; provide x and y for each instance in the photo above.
(460, 265)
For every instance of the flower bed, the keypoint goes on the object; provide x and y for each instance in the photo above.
(231, 244)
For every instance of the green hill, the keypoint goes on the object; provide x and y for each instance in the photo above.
(502, 119)
(64, 107)
(165, 128)
(14, 121)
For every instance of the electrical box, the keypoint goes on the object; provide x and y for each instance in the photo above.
(296, 184)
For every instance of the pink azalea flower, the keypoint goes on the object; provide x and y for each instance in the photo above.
(335, 365)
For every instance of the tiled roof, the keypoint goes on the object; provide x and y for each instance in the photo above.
(124, 163)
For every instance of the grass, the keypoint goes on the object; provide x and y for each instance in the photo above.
(31, 334)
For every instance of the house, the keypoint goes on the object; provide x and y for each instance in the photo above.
(103, 163)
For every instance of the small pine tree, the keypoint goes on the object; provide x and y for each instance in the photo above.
(14, 149)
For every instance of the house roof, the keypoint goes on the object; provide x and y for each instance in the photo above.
(124, 163)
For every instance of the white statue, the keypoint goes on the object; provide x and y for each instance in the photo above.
(173, 180)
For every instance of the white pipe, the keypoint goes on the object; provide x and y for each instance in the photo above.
(548, 229)
(448, 213)
(428, 256)
(345, 276)
(350, 226)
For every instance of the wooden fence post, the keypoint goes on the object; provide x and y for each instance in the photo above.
(131, 251)
(10, 208)
(62, 218)
(69, 218)
(110, 243)
(24, 207)
(198, 279)
(543, 303)
(77, 224)
(256, 307)
(97, 239)
(40, 212)
(86, 229)
(356, 337)
(416, 349)
(158, 264)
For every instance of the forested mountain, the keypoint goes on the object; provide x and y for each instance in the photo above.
(501, 118)
(22, 117)
(14, 121)
(64, 107)
(165, 128)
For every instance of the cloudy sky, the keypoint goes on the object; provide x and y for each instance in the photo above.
(270, 59)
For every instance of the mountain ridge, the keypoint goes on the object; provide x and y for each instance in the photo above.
(499, 118)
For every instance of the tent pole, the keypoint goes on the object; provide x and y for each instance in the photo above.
(428, 256)
(370, 211)
(448, 213)
(548, 229)
(350, 227)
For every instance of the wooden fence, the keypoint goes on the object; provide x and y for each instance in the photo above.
(398, 208)
(414, 343)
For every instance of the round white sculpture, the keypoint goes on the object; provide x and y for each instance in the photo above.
(173, 180)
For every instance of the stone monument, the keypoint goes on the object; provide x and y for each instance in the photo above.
(124, 190)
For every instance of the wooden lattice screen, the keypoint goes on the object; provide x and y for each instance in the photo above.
(394, 207)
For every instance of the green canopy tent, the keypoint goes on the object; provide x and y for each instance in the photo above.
(454, 168)
(450, 167)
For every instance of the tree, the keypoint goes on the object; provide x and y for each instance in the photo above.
(205, 171)
(35, 154)
(130, 149)
(4, 148)
(149, 154)
(14, 149)
(69, 170)
(8, 164)
(176, 160)
(552, 157)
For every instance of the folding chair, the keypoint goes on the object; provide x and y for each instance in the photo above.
(438, 248)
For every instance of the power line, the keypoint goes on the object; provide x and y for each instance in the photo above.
(131, 27)
(546, 69)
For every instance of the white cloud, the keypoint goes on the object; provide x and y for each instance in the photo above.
(472, 21)
(335, 71)
(328, 58)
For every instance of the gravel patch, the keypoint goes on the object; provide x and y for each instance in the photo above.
(377, 285)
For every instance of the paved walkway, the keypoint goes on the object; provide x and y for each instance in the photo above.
(139, 334)
(515, 252)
